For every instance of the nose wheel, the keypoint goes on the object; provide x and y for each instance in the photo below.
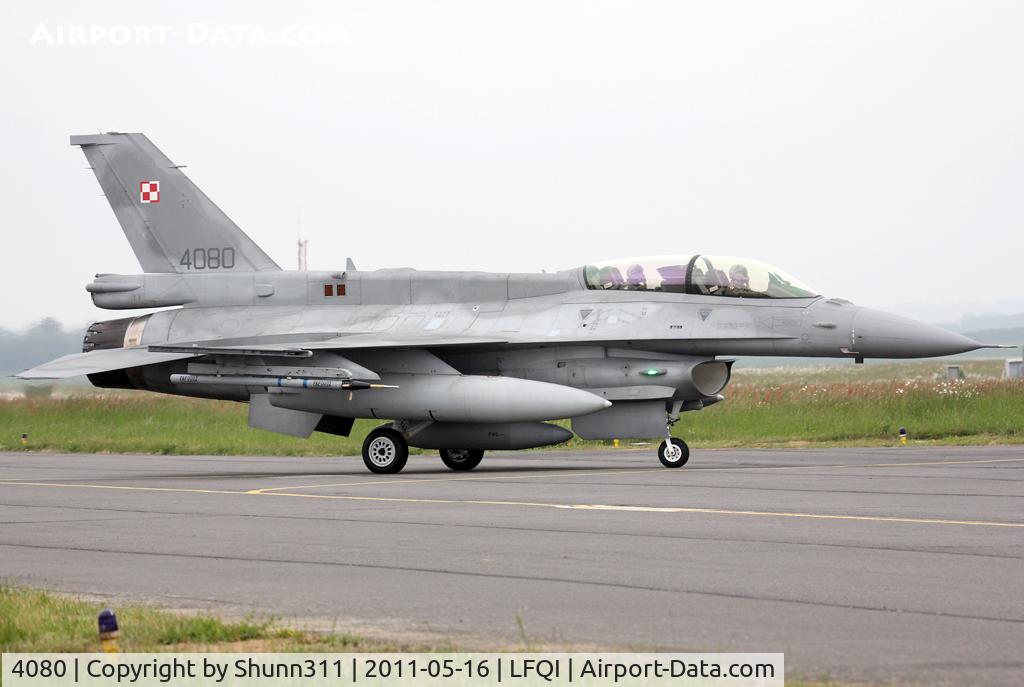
(460, 459)
(385, 451)
(673, 453)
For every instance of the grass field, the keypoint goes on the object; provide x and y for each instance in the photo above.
(38, 621)
(862, 405)
(827, 405)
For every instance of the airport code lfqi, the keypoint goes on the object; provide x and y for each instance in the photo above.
(452, 670)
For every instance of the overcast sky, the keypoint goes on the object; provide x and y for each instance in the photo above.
(872, 149)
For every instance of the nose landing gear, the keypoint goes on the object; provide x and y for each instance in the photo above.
(673, 453)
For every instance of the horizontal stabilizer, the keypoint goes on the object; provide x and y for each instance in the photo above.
(99, 361)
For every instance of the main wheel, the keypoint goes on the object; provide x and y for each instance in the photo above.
(461, 458)
(673, 453)
(385, 451)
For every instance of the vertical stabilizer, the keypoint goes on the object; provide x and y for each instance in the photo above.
(171, 225)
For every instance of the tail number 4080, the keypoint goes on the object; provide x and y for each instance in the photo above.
(208, 258)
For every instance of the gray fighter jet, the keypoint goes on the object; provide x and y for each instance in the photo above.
(462, 362)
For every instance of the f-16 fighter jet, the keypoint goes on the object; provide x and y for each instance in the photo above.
(461, 362)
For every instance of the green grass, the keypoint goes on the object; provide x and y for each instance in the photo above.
(983, 369)
(786, 406)
(139, 422)
(35, 621)
(38, 621)
(863, 413)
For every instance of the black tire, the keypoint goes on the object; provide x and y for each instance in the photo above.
(461, 459)
(674, 456)
(385, 451)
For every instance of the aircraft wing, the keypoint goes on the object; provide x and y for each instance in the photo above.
(302, 345)
(120, 358)
(403, 340)
(294, 346)
(99, 361)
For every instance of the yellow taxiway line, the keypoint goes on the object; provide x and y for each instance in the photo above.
(467, 478)
(624, 471)
(533, 504)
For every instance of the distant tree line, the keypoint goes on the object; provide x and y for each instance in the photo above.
(42, 342)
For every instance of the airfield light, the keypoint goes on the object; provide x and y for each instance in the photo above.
(903, 435)
(108, 631)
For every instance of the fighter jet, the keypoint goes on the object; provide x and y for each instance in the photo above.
(461, 362)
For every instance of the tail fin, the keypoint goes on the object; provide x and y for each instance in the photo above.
(171, 225)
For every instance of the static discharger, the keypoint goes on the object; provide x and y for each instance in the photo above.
(283, 382)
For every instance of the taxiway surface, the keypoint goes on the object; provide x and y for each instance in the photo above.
(863, 564)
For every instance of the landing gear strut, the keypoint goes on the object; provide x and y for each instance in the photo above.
(673, 453)
(461, 459)
(385, 451)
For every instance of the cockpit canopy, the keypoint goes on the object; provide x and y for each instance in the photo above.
(699, 275)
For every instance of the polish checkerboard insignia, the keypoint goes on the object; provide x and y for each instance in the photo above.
(149, 191)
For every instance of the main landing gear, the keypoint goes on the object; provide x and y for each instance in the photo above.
(385, 451)
(461, 459)
(673, 453)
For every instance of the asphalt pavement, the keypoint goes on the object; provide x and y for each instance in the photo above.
(900, 565)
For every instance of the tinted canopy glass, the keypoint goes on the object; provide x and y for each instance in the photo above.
(702, 275)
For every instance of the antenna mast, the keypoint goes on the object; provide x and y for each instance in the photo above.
(303, 244)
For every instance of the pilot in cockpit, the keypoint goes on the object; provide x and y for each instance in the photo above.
(739, 283)
(739, 278)
(636, 280)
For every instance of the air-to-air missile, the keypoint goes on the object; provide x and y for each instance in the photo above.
(461, 362)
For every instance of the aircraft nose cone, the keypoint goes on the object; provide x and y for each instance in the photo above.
(879, 334)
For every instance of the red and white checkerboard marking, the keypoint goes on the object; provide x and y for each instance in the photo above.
(149, 191)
